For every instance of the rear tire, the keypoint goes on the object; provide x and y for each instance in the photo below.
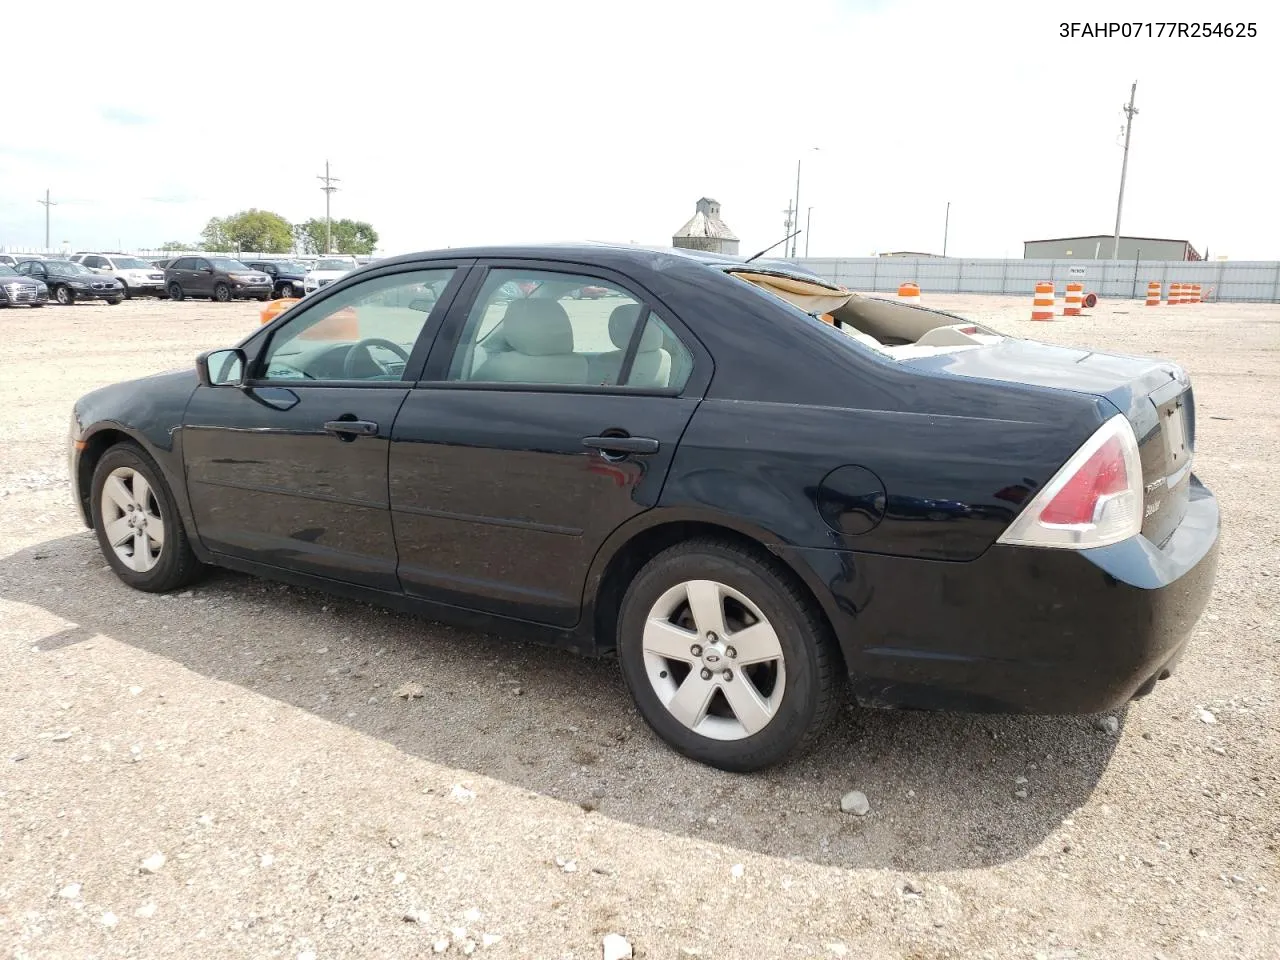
(286, 291)
(175, 291)
(154, 556)
(221, 293)
(741, 718)
(113, 302)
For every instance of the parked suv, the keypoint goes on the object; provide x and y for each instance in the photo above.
(69, 282)
(286, 275)
(218, 278)
(139, 277)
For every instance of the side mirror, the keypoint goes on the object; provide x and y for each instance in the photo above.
(222, 368)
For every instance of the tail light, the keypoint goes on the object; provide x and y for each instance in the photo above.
(1094, 500)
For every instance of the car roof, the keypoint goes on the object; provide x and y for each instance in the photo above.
(620, 256)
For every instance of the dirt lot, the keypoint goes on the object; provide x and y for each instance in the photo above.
(250, 734)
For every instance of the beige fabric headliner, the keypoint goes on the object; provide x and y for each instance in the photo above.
(809, 297)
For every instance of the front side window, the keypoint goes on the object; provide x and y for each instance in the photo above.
(366, 332)
(227, 265)
(538, 326)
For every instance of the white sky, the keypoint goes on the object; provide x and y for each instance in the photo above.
(459, 123)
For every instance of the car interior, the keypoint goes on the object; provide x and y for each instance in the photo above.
(896, 330)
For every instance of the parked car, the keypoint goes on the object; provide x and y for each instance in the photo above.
(324, 272)
(218, 278)
(137, 276)
(963, 520)
(287, 276)
(13, 259)
(16, 289)
(69, 282)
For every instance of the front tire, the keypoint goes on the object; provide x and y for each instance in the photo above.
(175, 291)
(128, 294)
(222, 293)
(728, 659)
(65, 296)
(113, 302)
(137, 523)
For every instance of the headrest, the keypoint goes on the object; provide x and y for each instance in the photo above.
(537, 328)
(622, 323)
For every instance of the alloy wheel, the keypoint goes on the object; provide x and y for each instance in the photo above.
(132, 520)
(64, 296)
(714, 660)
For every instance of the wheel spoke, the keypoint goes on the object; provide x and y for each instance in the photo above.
(117, 493)
(141, 559)
(141, 490)
(118, 531)
(748, 706)
(155, 530)
(690, 703)
(706, 603)
(665, 639)
(757, 643)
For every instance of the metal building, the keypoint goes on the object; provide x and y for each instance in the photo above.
(1099, 248)
(706, 231)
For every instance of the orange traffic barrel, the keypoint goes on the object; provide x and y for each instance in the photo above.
(1195, 293)
(1153, 293)
(1090, 300)
(1075, 297)
(1175, 293)
(909, 292)
(275, 308)
(1042, 306)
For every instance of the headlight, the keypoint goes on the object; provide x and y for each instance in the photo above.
(42, 287)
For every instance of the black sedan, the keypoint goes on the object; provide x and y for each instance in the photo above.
(748, 484)
(15, 289)
(69, 282)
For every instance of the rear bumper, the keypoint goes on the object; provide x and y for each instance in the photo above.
(1020, 629)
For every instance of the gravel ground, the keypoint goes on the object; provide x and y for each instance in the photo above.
(250, 735)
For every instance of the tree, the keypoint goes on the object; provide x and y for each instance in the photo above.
(349, 236)
(213, 236)
(177, 245)
(258, 231)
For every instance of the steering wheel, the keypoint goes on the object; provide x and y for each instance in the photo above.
(366, 345)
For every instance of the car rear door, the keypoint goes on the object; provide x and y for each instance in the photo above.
(199, 281)
(291, 469)
(539, 427)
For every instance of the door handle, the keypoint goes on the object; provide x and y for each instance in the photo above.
(637, 446)
(350, 429)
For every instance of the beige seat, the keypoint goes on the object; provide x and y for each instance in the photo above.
(540, 338)
(652, 365)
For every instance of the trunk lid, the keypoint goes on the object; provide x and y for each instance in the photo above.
(1154, 395)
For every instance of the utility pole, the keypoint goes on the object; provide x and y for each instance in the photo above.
(47, 204)
(793, 239)
(1130, 111)
(808, 219)
(946, 227)
(328, 189)
(790, 215)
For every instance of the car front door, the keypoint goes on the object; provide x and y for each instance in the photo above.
(290, 469)
(542, 423)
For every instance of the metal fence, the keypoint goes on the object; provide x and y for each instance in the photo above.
(1243, 280)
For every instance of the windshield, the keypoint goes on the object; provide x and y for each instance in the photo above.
(66, 266)
(332, 265)
(131, 263)
(7, 271)
(228, 265)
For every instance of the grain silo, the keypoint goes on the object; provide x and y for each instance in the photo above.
(706, 231)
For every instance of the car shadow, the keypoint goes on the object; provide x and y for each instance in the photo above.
(946, 791)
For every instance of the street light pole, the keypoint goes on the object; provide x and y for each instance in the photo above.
(946, 227)
(797, 208)
(808, 219)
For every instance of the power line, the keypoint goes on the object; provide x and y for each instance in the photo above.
(328, 189)
(47, 204)
(1130, 111)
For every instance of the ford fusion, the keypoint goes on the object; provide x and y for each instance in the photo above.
(754, 488)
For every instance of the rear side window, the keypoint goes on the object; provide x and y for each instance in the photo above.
(546, 327)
